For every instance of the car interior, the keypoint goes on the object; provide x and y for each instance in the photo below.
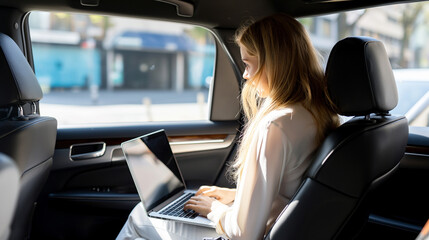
(26, 137)
(366, 181)
(9, 182)
(332, 187)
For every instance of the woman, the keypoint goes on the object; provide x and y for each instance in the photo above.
(288, 115)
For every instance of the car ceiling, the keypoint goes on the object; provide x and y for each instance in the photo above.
(230, 13)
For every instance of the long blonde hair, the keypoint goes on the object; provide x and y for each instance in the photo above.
(290, 62)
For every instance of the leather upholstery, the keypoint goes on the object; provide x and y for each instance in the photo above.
(9, 186)
(18, 82)
(360, 156)
(28, 139)
(357, 156)
(360, 78)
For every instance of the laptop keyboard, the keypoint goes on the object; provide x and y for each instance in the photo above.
(176, 209)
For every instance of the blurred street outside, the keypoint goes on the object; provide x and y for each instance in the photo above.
(124, 106)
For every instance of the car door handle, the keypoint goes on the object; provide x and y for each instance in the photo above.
(86, 151)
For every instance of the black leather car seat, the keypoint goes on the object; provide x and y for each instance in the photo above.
(25, 136)
(356, 156)
(9, 186)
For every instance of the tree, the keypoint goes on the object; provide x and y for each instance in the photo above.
(408, 21)
(345, 27)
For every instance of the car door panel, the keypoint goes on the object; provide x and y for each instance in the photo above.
(100, 190)
(399, 207)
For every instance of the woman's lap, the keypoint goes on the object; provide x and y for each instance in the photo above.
(139, 225)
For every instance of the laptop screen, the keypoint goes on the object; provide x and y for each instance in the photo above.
(153, 167)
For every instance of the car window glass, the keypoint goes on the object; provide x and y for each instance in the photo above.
(102, 69)
(404, 30)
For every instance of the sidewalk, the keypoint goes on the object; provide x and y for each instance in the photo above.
(110, 97)
(125, 113)
(120, 106)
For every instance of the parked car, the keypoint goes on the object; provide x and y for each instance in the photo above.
(191, 89)
(413, 90)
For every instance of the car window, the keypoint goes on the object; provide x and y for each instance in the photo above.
(101, 69)
(404, 30)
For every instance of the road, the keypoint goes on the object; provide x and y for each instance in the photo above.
(119, 97)
(82, 108)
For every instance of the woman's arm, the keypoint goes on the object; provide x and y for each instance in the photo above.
(257, 188)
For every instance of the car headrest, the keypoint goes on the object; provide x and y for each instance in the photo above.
(360, 78)
(18, 83)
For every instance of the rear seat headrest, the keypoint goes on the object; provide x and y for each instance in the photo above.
(360, 78)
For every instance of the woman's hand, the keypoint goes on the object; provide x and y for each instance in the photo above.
(223, 195)
(206, 195)
(200, 204)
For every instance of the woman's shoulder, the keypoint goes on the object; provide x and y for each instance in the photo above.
(294, 117)
(278, 114)
(289, 113)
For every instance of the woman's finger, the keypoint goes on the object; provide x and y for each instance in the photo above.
(191, 202)
(189, 206)
(202, 210)
(196, 198)
(211, 194)
(202, 189)
(208, 192)
(196, 208)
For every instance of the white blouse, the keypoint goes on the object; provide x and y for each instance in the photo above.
(280, 153)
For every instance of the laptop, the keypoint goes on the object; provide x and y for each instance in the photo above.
(158, 179)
